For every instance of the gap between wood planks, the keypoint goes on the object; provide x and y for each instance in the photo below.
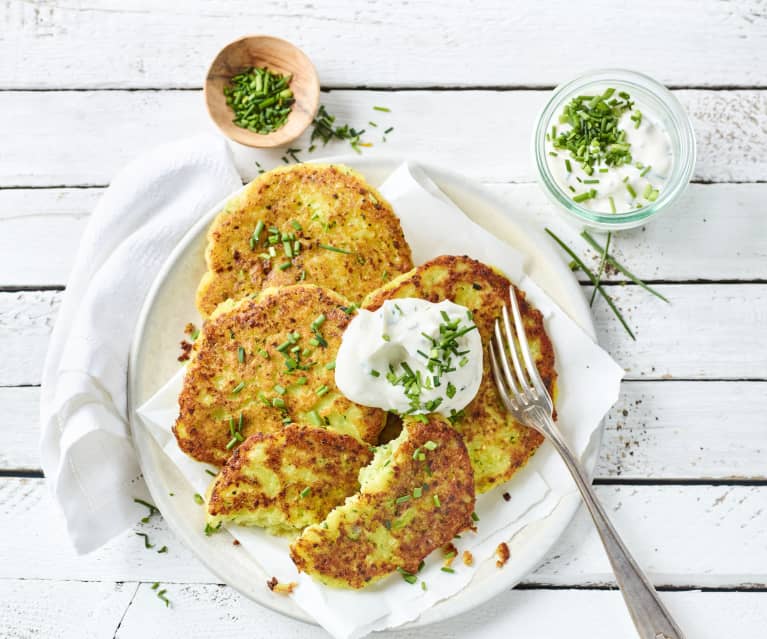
(745, 587)
(36, 288)
(599, 481)
(500, 88)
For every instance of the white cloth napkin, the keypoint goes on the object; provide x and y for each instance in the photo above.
(588, 385)
(86, 450)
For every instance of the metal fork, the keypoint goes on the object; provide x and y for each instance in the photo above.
(526, 398)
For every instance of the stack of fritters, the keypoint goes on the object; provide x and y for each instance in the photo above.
(287, 259)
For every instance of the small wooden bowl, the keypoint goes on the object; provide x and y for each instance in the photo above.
(278, 56)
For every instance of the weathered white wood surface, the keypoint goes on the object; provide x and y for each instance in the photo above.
(541, 614)
(724, 321)
(64, 609)
(662, 524)
(683, 434)
(98, 132)
(719, 225)
(77, 610)
(657, 430)
(141, 43)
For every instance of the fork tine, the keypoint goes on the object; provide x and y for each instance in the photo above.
(499, 354)
(530, 367)
(510, 402)
(523, 380)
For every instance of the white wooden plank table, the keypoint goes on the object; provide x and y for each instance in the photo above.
(84, 87)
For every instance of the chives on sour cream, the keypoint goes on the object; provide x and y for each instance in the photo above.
(607, 154)
(411, 356)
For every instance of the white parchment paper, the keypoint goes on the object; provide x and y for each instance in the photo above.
(588, 383)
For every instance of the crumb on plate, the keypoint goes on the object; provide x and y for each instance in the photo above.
(503, 554)
(281, 589)
(186, 351)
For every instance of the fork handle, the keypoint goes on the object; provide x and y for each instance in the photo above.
(650, 616)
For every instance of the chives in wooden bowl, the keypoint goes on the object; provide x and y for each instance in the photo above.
(262, 91)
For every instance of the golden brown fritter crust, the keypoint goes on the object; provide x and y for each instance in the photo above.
(497, 444)
(395, 521)
(218, 386)
(287, 479)
(334, 206)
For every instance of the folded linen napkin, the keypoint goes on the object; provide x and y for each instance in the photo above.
(86, 450)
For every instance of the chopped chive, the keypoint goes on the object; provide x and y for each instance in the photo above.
(146, 540)
(210, 472)
(631, 190)
(240, 354)
(645, 171)
(389, 130)
(407, 576)
(315, 418)
(285, 265)
(258, 229)
(384, 109)
(162, 550)
(403, 499)
(417, 492)
(435, 499)
(586, 195)
(322, 390)
(152, 509)
(610, 259)
(593, 279)
(238, 388)
(198, 498)
(568, 166)
(475, 516)
(263, 353)
(319, 321)
(335, 248)
(430, 445)
(300, 381)
(612, 204)
(375, 373)
(647, 191)
(161, 595)
(423, 585)
(602, 261)
(305, 491)
(280, 390)
(330, 366)
(446, 569)
(278, 402)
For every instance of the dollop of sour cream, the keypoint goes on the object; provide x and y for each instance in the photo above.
(411, 356)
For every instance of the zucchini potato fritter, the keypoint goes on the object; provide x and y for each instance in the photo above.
(261, 363)
(287, 480)
(317, 223)
(415, 496)
(498, 445)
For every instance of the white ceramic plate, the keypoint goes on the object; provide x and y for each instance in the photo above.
(170, 305)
